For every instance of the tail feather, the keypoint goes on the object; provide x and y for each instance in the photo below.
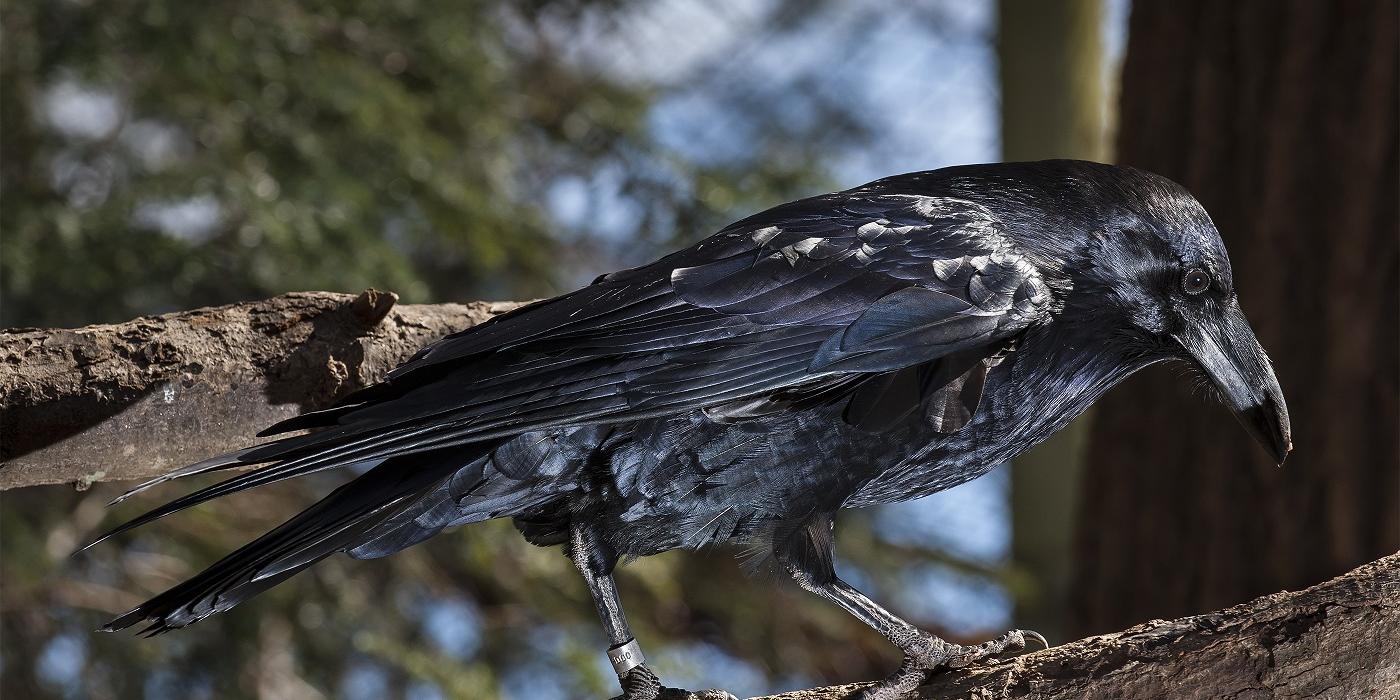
(447, 505)
(338, 522)
(238, 483)
(223, 461)
(293, 462)
(295, 455)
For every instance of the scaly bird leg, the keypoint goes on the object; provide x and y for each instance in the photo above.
(923, 652)
(595, 561)
(806, 554)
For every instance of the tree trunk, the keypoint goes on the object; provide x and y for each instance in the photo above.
(1052, 106)
(1282, 118)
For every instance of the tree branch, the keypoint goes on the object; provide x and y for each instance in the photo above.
(1335, 640)
(137, 399)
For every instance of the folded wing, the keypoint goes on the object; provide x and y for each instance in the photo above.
(812, 293)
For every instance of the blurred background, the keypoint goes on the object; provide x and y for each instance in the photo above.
(158, 156)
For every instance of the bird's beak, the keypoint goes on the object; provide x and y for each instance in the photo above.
(1227, 351)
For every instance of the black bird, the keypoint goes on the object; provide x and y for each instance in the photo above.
(867, 346)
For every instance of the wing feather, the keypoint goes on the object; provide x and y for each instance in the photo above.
(858, 282)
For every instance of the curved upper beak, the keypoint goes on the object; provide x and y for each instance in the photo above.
(1227, 351)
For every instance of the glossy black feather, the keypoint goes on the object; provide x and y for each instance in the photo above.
(769, 303)
(331, 525)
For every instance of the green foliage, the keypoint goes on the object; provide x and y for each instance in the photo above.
(325, 146)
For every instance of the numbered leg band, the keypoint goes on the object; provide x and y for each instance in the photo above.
(625, 657)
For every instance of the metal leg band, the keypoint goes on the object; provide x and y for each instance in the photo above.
(625, 657)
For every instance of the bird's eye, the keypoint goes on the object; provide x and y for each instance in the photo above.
(1195, 282)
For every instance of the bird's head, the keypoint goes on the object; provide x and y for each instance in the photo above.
(1132, 252)
(1155, 264)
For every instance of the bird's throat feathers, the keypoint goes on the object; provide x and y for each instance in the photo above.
(1062, 369)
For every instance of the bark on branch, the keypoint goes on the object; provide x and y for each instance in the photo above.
(1335, 640)
(136, 399)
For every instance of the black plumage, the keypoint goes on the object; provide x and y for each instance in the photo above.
(862, 347)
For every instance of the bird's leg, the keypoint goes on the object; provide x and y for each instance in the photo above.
(923, 652)
(806, 553)
(595, 561)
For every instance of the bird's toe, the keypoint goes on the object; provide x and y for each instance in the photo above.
(640, 683)
(899, 684)
(708, 694)
(1013, 640)
(925, 653)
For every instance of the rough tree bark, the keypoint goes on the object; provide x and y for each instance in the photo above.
(1281, 117)
(130, 400)
(135, 399)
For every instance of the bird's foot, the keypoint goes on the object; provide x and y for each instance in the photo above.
(1014, 640)
(707, 694)
(925, 654)
(641, 683)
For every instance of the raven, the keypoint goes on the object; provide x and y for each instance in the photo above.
(867, 346)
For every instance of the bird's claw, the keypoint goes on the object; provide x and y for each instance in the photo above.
(641, 683)
(1013, 640)
(927, 654)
